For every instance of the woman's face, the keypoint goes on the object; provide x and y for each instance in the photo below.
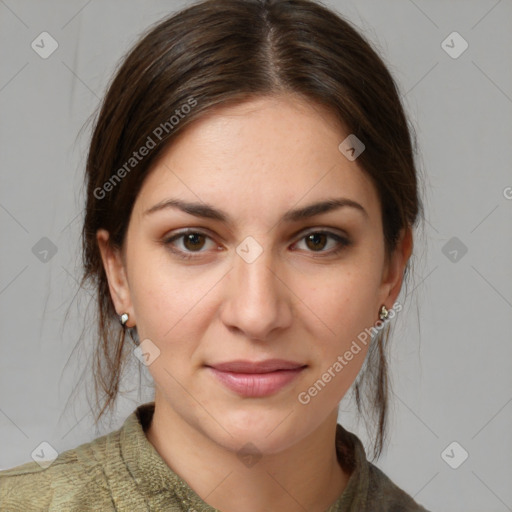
(262, 275)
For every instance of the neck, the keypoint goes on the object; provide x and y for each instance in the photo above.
(306, 476)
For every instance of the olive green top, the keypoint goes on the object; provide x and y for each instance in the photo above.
(122, 471)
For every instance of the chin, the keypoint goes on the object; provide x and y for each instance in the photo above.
(266, 430)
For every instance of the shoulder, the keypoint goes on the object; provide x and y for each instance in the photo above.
(69, 483)
(368, 488)
(387, 494)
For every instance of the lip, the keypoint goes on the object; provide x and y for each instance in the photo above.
(256, 379)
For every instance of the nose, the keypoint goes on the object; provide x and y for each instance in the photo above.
(257, 301)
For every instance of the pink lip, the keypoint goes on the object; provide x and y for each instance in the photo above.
(256, 379)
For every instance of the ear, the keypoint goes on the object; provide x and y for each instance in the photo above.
(393, 273)
(116, 274)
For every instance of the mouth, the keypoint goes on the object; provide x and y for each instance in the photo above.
(256, 379)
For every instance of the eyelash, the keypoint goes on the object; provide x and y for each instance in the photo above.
(343, 242)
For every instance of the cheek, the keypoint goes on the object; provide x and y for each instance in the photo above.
(340, 306)
(169, 300)
(339, 313)
(341, 309)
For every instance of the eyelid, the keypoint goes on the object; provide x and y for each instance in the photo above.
(167, 240)
(323, 229)
(342, 239)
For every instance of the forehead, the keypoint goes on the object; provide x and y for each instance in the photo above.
(262, 156)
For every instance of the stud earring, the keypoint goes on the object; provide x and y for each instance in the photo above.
(383, 313)
(132, 331)
(123, 319)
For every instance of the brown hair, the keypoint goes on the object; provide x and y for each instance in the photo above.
(220, 52)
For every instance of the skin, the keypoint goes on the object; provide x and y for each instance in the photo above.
(297, 301)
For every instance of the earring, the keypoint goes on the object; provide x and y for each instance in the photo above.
(131, 330)
(384, 313)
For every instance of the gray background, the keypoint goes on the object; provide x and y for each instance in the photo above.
(452, 350)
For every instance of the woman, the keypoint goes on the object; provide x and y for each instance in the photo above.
(251, 195)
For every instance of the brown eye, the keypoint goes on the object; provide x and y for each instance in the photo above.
(316, 241)
(193, 241)
(189, 244)
(323, 242)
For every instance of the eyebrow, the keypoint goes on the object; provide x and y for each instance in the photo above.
(209, 212)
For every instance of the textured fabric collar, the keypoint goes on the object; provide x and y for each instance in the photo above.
(156, 480)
